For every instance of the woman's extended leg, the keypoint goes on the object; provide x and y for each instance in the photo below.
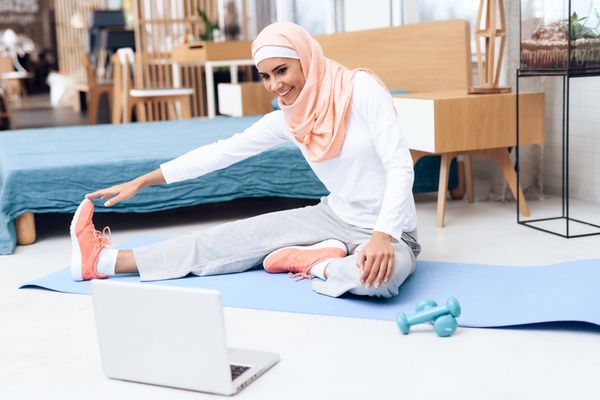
(239, 245)
(232, 247)
(126, 262)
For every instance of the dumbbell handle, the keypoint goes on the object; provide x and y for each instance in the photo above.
(452, 307)
(426, 315)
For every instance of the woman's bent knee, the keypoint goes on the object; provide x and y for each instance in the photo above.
(345, 277)
(386, 289)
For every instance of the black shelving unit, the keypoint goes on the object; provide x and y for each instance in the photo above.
(570, 68)
(567, 75)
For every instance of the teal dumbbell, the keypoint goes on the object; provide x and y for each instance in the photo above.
(427, 303)
(445, 325)
(427, 311)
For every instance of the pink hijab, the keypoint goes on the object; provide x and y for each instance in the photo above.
(317, 118)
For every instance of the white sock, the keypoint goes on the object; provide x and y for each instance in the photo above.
(107, 261)
(318, 269)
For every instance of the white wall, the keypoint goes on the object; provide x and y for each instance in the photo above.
(361, 14)
(584, 138)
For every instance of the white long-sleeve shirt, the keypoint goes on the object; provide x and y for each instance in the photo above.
(370, 180)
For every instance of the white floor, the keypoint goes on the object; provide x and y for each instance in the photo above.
(48, 344)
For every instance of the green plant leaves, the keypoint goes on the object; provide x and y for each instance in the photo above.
(579, 30)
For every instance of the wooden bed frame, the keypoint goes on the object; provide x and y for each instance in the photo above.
(425, 57)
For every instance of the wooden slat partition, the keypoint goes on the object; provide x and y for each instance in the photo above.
(72, 19)
(423, 57)
(159, 26)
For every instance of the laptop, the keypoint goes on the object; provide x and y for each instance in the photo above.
(171, 336)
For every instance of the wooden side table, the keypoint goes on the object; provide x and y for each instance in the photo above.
(456, 123)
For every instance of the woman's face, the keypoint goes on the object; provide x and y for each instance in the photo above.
(283, 77)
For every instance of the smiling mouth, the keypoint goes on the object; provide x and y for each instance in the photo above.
(285, 93)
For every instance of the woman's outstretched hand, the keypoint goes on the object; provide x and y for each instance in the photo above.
(117, 193)
(376, 260)
(124, 191)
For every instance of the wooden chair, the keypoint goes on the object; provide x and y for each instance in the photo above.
(125, 97)
(5, 112)
(11, 80)
(95, 90)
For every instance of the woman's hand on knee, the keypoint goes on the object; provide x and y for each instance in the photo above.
(116, 194)
(376, 260)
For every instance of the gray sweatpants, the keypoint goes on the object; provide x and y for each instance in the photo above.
(241, 245)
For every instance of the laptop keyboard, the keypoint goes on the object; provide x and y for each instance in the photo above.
(237, 370)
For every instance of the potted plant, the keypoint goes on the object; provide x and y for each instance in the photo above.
(585, 42)
(211, 28)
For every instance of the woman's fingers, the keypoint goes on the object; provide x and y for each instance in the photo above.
(119, 197)
(112, 202)
(378, 269)
(383, 266)
(375, 267)
(360, 261)
(94, 195)
(113, 195)
(102, 193)
(368, 264)
(390, 269)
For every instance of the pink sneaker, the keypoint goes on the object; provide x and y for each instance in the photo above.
(298, 260)
(86, 243)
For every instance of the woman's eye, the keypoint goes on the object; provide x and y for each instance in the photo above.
(281, 71)
(264, 77)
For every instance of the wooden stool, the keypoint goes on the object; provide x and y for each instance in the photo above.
(5, 112)
(12, 80)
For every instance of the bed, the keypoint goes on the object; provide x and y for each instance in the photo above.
(51, 169)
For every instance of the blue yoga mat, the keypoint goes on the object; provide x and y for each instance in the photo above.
(490, 295)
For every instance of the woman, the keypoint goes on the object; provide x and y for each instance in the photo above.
(359, 239)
